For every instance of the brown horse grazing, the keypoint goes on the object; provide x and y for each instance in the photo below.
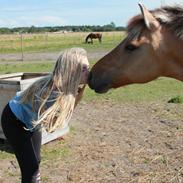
(92, 36)
(152, 48)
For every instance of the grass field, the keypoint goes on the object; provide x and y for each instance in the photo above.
(55, 42)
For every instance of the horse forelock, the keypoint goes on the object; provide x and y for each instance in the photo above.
(171, 17)
(135, 27)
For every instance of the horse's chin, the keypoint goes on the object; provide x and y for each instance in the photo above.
(102, 89)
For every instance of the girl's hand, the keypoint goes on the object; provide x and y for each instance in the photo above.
(83, 81)
(79, 94)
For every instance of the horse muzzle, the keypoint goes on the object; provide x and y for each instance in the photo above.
(98, 84)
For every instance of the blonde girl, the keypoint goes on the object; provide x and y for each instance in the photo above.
(48, 103)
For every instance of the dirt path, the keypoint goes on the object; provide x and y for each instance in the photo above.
(43, 57)
(115, 143)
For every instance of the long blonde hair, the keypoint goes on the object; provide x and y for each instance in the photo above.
(65, 80)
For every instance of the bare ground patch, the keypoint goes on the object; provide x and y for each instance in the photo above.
(115, 143)
(42, 56)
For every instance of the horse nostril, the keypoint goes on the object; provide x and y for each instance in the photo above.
(89, 77)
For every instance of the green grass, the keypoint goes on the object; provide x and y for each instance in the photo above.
(4, 149)
(54, 153)
(25, 67)
(5, 155)
(56, 42)
(162, 89)
(177, 99)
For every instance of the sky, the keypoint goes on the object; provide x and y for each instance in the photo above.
(20, 13)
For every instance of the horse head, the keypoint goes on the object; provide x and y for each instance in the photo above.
(152, 48)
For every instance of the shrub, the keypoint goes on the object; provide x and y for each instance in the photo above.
(177, 99)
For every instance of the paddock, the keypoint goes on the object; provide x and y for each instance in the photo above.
(132, 134)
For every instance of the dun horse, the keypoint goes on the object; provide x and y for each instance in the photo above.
(152, 48)
(91, 36)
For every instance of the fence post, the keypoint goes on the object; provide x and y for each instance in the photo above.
(21, 40)
(46, 40)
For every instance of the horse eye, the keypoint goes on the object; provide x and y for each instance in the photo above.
(130, 47)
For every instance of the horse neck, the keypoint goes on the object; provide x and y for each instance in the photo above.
(173, 57)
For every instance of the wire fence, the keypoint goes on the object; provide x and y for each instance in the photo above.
(45, 46)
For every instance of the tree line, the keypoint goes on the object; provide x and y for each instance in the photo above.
(69, 28)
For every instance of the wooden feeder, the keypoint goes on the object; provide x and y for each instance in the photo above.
(12, 83)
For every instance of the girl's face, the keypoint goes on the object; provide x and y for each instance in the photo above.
(85, 71)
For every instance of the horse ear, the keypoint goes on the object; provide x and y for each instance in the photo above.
(150, 22)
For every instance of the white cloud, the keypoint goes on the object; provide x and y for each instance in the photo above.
(43, 20)
(36, 21)
(12, 9)
(54, 20)
(8, 23)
